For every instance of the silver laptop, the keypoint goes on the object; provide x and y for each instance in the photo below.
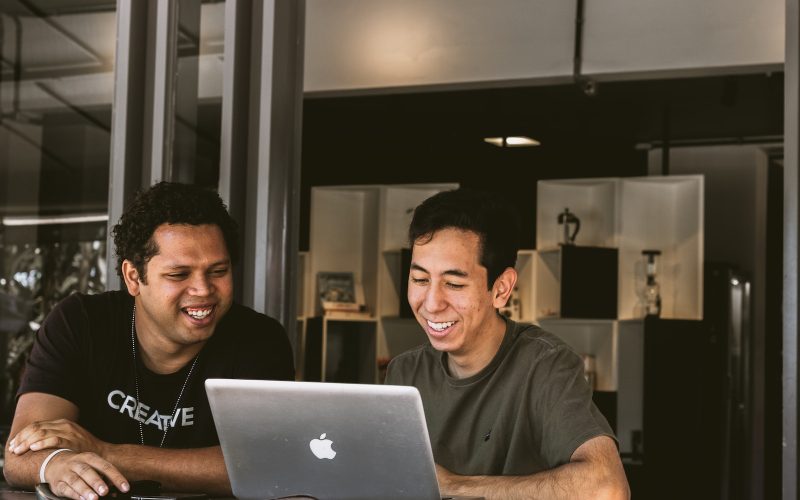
(323, 440)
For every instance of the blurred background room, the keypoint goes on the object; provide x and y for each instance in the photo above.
(646, 145)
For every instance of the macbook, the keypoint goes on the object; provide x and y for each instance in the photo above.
(323, 440)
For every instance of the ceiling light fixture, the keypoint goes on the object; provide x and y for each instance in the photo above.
(512, 141)
(58, 219)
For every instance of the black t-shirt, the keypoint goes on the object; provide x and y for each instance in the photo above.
(83, 353)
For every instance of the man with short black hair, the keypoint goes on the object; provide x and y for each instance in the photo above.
(509, 412)
(114, 387)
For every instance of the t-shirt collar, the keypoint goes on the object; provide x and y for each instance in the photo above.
(511, 327)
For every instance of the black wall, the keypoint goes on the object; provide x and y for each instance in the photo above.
(438, 136)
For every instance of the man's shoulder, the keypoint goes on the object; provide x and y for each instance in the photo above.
(92, 305)
(242, 322)
(423, 352)
(256, 345)
(240, 314)
(535, 343)
(410, 363)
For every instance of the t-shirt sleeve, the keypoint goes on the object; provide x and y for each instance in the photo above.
(54, 363)
(404, 369)
(569, 418)
(281, 353)
(394, 373)
(267, 353)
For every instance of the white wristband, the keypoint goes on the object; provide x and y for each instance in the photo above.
(47, 461)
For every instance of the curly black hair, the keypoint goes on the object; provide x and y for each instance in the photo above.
(486, 214)
(168, 203)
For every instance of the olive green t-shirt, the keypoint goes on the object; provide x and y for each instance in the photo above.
(526, 412)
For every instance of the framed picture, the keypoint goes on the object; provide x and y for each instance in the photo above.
(338, 291)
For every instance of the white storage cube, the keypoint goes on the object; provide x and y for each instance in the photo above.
(666, 214)
(593, 201)
(594, 337)
(344, 236)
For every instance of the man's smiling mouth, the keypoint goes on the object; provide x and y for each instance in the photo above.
(198, 312)
(440, 327)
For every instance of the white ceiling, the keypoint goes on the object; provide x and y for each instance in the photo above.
(390, 45)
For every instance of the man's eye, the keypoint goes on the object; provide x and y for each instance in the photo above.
(419, 281)
(219, 272)
(455, 286)
(177, 276)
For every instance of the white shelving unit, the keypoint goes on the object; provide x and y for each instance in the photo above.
(631, 214)
(362, 229)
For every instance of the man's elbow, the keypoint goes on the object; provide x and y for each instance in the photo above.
(12, 473)
(613, 488)
(11, 477)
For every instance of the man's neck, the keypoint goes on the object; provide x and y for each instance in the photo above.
(478, 357)
(160, 355)
(162, 362)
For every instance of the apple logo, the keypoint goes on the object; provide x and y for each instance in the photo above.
(321, 448)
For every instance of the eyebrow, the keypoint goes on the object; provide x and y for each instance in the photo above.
(225, 262)
(450, 272)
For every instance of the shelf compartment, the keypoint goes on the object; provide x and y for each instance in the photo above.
(593, 201)
(595, 337)
(340, 350)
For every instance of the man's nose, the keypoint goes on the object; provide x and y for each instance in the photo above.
(201, 285)
(434, 299)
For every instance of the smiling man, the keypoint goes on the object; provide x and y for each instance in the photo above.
(114, 387)
(509, 412)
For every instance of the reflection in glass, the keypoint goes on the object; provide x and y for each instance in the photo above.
(56, 87)
(34, 278)
(198, 104)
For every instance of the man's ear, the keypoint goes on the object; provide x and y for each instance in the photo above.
(503, 286)
(131, 277)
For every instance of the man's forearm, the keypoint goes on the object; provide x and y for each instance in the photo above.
(569, 481)
(190, 469)
(22, 471)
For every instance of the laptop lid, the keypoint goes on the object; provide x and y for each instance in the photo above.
(324, 440)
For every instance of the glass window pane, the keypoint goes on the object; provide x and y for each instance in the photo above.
(198, 102)
(56, 86)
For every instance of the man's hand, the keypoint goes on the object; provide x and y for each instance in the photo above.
(82, 476)
(61, 433)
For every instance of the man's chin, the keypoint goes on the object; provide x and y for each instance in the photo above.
(442, 344)
(193, 332)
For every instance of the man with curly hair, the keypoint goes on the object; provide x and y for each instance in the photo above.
(114, 388)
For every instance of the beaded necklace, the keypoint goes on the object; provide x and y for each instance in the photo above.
(136, 383)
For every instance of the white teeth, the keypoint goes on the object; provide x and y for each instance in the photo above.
(440, 326)
(198, 313)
